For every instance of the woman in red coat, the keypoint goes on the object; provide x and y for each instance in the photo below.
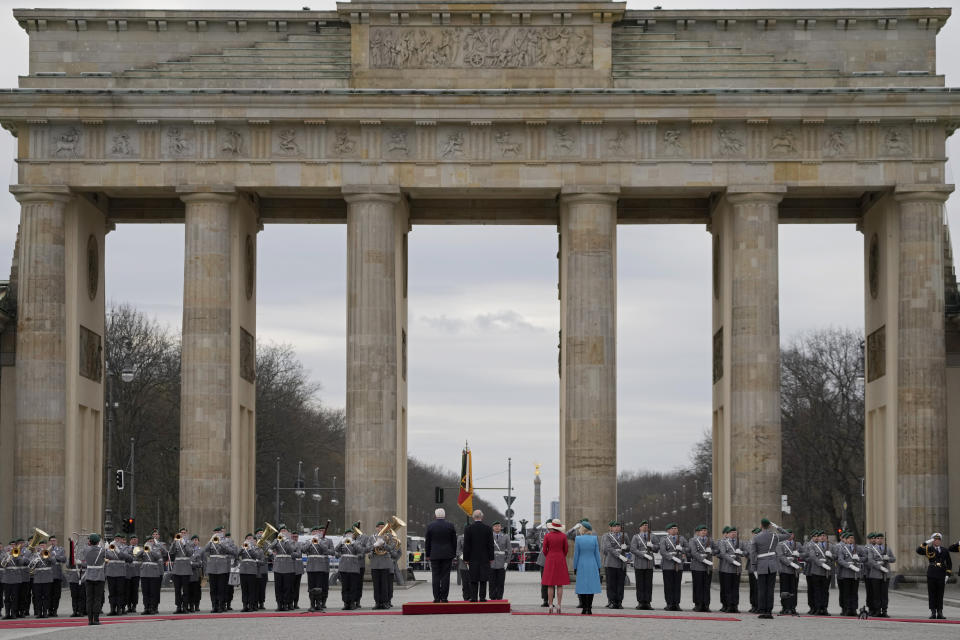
(555, 573)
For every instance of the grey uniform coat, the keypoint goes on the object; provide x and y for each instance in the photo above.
(218, 557)
(384, 560)
(878, 556)
(43, 569)
(116, 561)
(815, 557)
(11, 569)
(731, 555)
(60, 558)
(297, 556)
(196, 563)
(763, 550)
(349, 554)
(151, 562)
(94, 564)
(848, 560)
(25, 557)
(318, 555)
(671, 549)
(250, 560)
(700, 551)
(283, 556)
(611, 548)
(133, 567)
(642, 548)
(501, 551)
(181, 553)
(787, 555)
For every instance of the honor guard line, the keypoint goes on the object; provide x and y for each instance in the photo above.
(388, 115)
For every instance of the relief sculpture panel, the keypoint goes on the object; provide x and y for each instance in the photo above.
(480, 47)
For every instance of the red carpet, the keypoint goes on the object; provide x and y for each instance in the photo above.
(67, 622)
(631, 615)
(461, 606)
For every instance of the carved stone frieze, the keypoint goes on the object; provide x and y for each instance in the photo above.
(480, 47)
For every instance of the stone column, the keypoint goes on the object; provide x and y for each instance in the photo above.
(921, 376)
(205, 411)
(752, 361)
(39, 470)
(588, 355)
(372, 381)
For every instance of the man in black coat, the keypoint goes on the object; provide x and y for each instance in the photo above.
(938, 570)
(440, 548)
(478, 554)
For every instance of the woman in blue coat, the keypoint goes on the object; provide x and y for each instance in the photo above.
(586, 564)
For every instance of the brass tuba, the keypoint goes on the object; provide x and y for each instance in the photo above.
(39, 535)
(269, 533)
(136, 551)
(389, 530)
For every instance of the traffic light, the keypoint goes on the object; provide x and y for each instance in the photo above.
(128, 527)
(438, 495)
(119, 479)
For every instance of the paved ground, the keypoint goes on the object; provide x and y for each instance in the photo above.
(527, 620)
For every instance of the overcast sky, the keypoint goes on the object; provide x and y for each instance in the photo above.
(483, 309)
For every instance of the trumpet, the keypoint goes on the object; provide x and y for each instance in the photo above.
(146, 547)
(246, 545)
(356, 530)
(215, 539)
(112, 547)
(16, 552)
(315, 540)
(45, 554)
(178, 537)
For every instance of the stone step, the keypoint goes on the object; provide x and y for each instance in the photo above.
(234, 73)
(283, 53)
(712, 66)
(322, 34)
(725, 73)
(727, 57)
(638, 34)
(320, 56)
(677, 51)
(246, 67)
(301, 46)
(666, 44)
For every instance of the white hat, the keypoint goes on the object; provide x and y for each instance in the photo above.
(440, 513)
(554, 525)
(936, 535)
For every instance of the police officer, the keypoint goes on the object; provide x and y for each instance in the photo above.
(349, 552)
(672, 548)
(56, 588)
(318, 550)
(283, 568)
(641, 551)
(10, 561)
(501, 556)
(731, 566)
(763, 551)
(788, 557)
(94, 574)
(116, 559)
(181, 553)
(877, 574)
(383, 552)
(612, 548)
(849, 566)
(150, 559)
(218, 553)
(939, 568)
(818, 567)
(250, 556)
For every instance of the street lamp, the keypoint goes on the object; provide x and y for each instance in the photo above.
(300, 493)
(127, 374)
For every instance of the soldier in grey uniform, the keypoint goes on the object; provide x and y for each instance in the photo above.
(180, 555)
(788, 557)
(150, 559)
(349, 553)
(10, 577)
(731, 566)
(297, 570)
(612, 548)
(641, 550)
(879, 556)
(384, 551)
(501, 556)
(763, 552)
(56, 589)
(462, 570)
(94, 574)
(700, 551)
(26, 580)
(42, 567)
(218, 553)
(196, 577)
(116, 559)
(284, 568)
(672, 547)
(263, 570)
(234, 570)
(78, 599)
(849, 558)
(133, 577)
(250, 557)
(318, 549)
(752, 571)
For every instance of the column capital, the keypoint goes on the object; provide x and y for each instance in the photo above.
(207, 193)
(925, 192)
(371, 192)
(41, 193)
(772, 193)
(589, 193)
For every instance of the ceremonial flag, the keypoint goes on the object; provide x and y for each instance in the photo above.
(465, 498)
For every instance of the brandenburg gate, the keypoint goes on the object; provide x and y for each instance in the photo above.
(385, 115)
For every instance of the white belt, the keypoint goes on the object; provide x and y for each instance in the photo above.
(146, 562)
(348, 555)
(95, 566)
(767, 554)
(500, 553)
(248, 560)
(216, 555)
(282, 555)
